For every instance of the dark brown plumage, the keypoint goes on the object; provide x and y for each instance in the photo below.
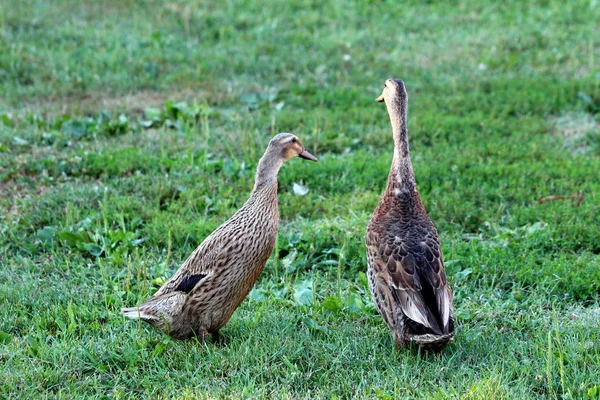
(405, 265)
(203, 294)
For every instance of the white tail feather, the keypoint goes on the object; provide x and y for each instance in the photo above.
(135, 313)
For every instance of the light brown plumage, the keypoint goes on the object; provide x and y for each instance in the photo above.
(203, 294)
(405, 265)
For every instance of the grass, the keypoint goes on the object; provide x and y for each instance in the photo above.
(129, 130)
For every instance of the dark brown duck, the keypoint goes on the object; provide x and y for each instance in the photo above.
(405, 264)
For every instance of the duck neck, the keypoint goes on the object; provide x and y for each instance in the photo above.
(266, 172)
(401, 173)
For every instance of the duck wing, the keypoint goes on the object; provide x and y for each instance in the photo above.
(411, 273)
(201, 264)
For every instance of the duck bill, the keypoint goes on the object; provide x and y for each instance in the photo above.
(307, 156)
(380, 99)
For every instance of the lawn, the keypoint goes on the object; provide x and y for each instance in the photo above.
(129, 130)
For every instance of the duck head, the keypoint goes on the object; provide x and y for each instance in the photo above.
(288, 146)
(393, 90)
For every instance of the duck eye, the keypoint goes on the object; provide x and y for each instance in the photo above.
(294, 140)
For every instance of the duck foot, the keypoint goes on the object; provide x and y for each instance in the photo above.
(218, 339)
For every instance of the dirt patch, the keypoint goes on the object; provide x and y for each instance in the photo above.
(573, 129)
(137, 102)
(92, 103)
(13, 194)
(20, 184)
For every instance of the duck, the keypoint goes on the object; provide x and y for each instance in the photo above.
(200, 298)
(405, 266)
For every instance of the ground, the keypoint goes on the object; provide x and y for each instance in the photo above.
(129, 130)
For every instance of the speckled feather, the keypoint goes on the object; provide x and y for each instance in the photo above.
(405, 265)
(203, 294)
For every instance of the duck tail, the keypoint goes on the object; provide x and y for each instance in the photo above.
(157, 308)
(135, 313)
(431, 343)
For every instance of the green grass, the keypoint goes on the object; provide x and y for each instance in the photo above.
(108, 181)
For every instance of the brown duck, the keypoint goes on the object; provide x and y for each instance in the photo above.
(405, 265)
(203, 294)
